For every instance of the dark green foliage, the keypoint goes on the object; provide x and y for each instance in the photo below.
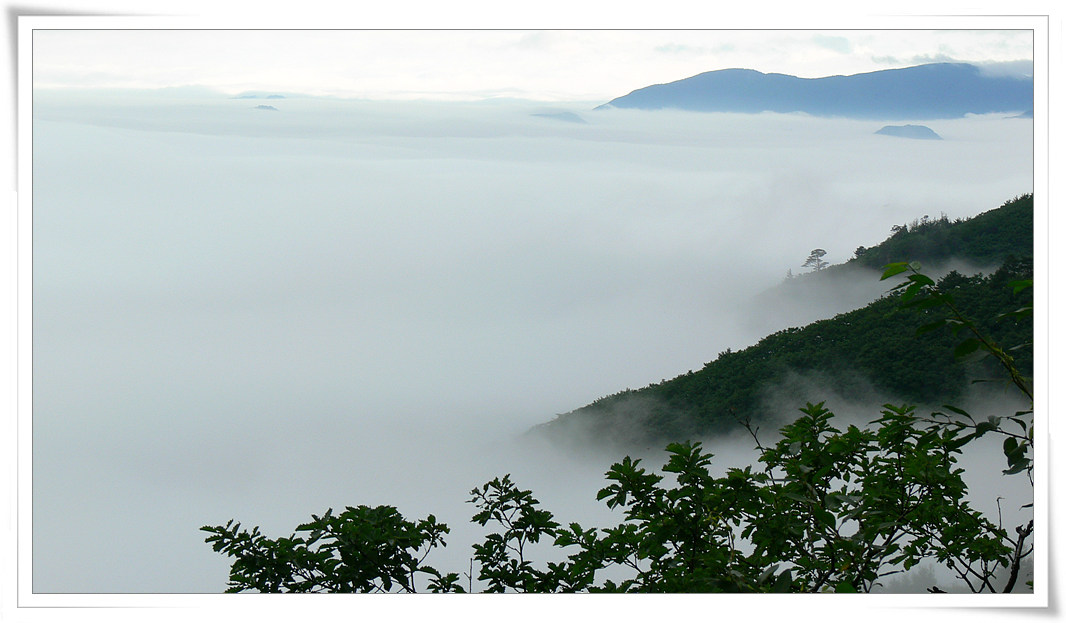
(680, 538)
(872, 344)
(986, 239)
(918, 291)
(502, 555)
(362, 550)
(825, 511)
(847, 507)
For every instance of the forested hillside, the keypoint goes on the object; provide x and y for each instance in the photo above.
(986, 239)
(854, 354)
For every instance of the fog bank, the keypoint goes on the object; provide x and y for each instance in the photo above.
(257, 314)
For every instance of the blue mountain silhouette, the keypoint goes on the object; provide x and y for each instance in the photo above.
(933, 91)
(910, 131)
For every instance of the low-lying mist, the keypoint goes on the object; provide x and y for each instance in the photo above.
(1000, 498)
(258, 314)
(831, 292)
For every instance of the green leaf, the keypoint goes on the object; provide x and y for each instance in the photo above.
(1021, 284)
(1021, 312)
(908, 294)
(920, 279)
(967, 347)
(893, 269)
(783, 582)
(767, 573)
(958, 410)
(824, 516)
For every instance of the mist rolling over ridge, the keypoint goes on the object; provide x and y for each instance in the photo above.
(867, 350)
(241, 313)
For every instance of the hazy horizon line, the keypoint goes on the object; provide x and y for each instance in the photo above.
(1002, 68)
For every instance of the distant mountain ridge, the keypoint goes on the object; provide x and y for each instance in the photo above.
(933, 91)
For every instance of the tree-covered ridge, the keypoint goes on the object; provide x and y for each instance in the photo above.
(989, 238)
(854, 352)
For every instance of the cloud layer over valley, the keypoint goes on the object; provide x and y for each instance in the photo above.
(259, 314)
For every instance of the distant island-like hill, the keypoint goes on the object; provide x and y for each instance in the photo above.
(910, 131)
(933, 91)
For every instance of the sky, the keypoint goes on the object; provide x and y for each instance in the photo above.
(447, 65)
(230, 305)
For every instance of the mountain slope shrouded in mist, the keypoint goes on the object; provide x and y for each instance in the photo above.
(866, 352)
(933, 91)
(980, 244)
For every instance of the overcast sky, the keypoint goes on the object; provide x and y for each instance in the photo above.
(541, 65)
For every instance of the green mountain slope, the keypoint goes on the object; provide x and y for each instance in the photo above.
(986, 239)
(872, 349)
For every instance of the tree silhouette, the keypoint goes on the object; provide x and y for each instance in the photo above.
(815, 260)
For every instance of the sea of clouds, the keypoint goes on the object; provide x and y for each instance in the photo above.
(257, 314)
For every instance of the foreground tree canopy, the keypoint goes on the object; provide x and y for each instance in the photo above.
(824, 509)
